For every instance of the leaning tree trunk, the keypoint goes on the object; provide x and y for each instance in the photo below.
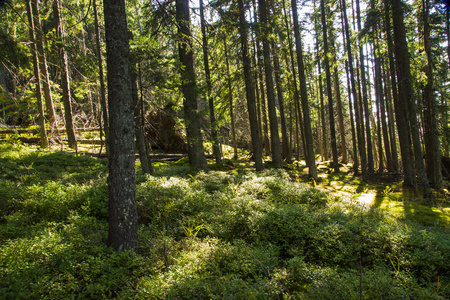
(123, 226)
(65, 81)
(271, 105)
(43, 65)
(214, 135)
(310, 154)
(249, 90)
(189, 89)
(37, 74)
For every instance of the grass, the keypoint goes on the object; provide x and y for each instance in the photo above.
(225, 234)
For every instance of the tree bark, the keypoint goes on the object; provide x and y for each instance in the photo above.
(271, 102)
(98, 52)
(45, 80)
(431, 134)
(249, 89)
(294, 83)
(214, 135)
(230, 100)
(138, 120)
(122, 234)
(310, 154)
(393, 95)
(365, 101)
(37, 74)
(65, 80)
(189, 89)
(359, 132)
(329, 88)
(278, 83)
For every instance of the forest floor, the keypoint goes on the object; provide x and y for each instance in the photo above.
(230, 233)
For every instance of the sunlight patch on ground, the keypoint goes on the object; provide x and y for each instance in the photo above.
(366, 198)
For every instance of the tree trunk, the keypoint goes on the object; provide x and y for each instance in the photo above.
(214, 135)
(405, 92)
(98, 52)
(337, 91)
(284, 135)
(230, 100)
(138, 121)
(310, 154)
(250, 91)
(384, 127)
(45, 80)
(322, 118)
(192, 118)
(123, 227)
(329, 88)
(271, 102)
(365, 101)
(298, 111)
(431, 133)
(405, 81)
(359, 132)
(263, 114)
(393, 87)
(65, 80)
(37, 74)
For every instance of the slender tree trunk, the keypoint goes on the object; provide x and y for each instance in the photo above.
(230, 99)
(352, 123)
(359, 131)
(37, 74)
(279, 87)
(138, 124)
(271, 102)
(192, 118)
(250, 91)
(329, 88)
(98, 51)
(431, 134)
(370, 161)
(379, 83)
(123, 226)
(322, 117)
(265, 127)
(65, 80)
(393, 85)
(43, 65)
(309, 151)
(294, 83)
(214, 135)
(337, 91)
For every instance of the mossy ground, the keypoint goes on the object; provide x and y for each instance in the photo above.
(225, 234)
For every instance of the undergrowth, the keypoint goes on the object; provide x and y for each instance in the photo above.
(215, 235)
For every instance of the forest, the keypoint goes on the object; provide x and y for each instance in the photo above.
(226, 149)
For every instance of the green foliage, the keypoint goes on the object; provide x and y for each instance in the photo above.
(212, 235)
